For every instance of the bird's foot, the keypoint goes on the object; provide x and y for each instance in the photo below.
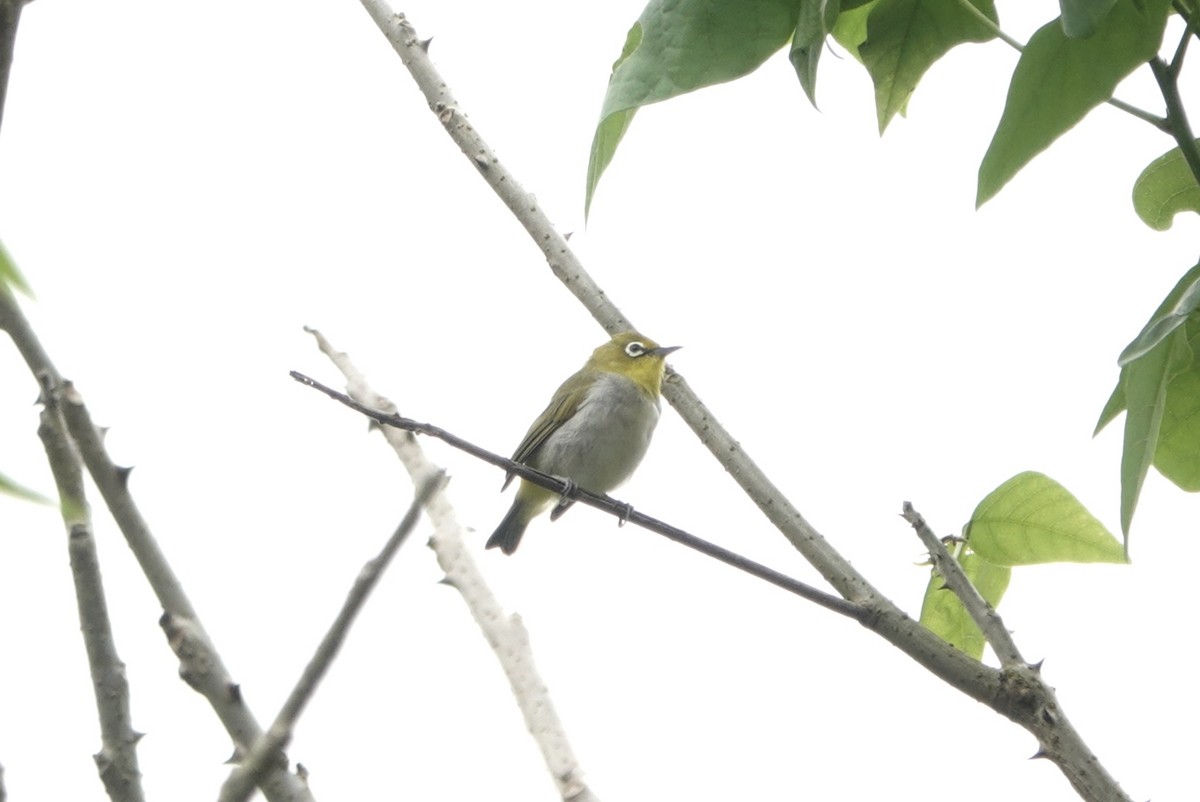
(565, 501)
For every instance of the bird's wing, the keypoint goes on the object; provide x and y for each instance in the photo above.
(565, 403)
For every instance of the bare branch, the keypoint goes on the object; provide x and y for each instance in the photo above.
(201, 664)
(241, 782)
(566, 267)
(10, 17)
(117, 760)
(982, 613)
(504, 633)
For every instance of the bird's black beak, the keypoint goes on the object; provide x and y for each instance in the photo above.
(663, 351)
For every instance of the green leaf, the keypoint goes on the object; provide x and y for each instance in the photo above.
(905, 38)
(1058, 80)
(11, 488)
(1113, 407)
(1080, 17)
(1173, 312)
(1145, 382)
(850, 30)
(677, 46)
(1032, 519)
(1160, 387)
(1164, 189)
(609, 134)
(816, 20)
(10, 276)
(1177, 455)
(944, 614)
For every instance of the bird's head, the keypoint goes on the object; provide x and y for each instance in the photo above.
(636, 357)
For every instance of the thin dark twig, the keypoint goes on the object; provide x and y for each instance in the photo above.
(604, 503)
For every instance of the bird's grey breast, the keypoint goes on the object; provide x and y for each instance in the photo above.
(602, 443)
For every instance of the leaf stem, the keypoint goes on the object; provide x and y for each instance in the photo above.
(1143, 115)
(990, 24)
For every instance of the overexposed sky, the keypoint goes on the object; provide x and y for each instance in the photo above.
(186, 187)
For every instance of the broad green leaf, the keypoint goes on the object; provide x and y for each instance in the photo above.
(1080, 17)
(1164, 189)
(944, 614)
(816, 20)
(1177, 455)
(905, 38)
(11, 488)
(1032, 519)
(1173, 312)
(1058, 80)
(10, 276)
(677, 46)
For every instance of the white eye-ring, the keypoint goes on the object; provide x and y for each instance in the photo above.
(635, 349)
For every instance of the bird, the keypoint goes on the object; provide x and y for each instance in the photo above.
(593, 433)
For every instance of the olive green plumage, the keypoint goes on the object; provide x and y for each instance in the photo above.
(594, 432)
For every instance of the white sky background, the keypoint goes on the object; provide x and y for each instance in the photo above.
(186, 187)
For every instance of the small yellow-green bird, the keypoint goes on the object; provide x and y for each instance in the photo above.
(594, 432)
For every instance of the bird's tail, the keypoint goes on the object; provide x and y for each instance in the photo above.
(508, 533)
